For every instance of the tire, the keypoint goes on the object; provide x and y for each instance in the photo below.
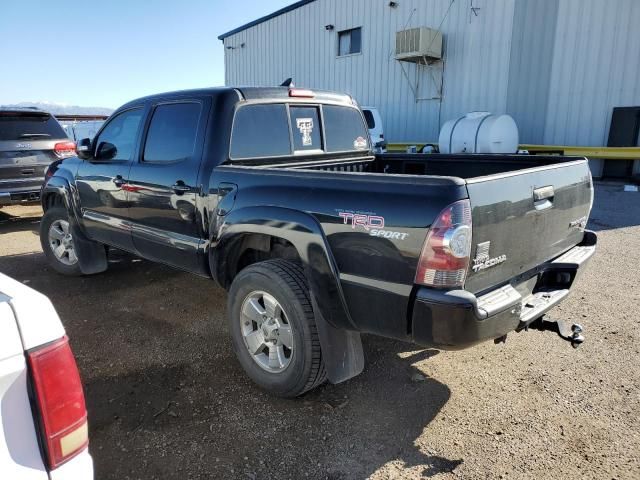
(257, 285)
(54, 219)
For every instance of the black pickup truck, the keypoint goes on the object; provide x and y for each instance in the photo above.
(276, 195)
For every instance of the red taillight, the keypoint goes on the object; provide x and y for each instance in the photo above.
(64, 149)
(60, 401)
(444, 260)
(301, 92)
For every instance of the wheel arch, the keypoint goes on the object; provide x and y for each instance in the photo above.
(92, 256)
(56, 191)
(254, 227)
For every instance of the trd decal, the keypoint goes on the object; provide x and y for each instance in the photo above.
(389, 234)
(365, 221)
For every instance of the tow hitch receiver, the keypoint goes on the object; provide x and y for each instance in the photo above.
(571, 333)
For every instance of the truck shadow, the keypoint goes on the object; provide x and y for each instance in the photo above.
(30, 221)
(167, 398)
(185, 416)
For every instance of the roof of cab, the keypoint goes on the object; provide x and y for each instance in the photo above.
(246, 93)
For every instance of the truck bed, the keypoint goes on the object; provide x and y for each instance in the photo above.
(529, 209)
(447, 165)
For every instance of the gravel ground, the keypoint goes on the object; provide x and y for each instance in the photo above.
(167, 399)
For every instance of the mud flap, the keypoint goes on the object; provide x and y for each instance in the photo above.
(92, 256)
(341, 349)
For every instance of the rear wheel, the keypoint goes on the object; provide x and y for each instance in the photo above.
(57, 241)
(273, 328)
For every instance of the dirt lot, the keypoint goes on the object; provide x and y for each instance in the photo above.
(167, 399)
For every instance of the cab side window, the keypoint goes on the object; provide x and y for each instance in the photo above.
(117, 140)
(172, 132)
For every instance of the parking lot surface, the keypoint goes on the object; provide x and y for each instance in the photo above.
(167, 398)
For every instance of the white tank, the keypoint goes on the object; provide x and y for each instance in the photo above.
(479, 132)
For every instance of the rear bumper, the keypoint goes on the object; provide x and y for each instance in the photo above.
(457, 319)
(20, 191)
(18, 198)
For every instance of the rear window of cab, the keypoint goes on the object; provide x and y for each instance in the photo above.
(278, 129)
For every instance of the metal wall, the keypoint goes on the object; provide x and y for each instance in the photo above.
(558, 66)
(532, 40)
(596, 66)
(297, 45)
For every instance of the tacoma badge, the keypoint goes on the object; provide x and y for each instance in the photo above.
(483, 260)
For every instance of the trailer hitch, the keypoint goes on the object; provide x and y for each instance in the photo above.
(571, 333)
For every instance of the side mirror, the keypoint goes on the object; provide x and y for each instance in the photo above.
(83, 149)
(106, 151)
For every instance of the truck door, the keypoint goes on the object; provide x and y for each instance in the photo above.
(101, 179)
(163, 184)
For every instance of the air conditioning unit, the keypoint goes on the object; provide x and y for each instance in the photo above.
(419, 45)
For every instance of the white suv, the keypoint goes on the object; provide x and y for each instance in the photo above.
(43, 418)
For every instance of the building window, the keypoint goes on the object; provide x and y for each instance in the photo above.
(350, 41)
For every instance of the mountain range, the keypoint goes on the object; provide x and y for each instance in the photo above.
(64, 109)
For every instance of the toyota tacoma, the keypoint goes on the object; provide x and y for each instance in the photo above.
(276, 194)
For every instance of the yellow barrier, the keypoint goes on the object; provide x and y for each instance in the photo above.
(607, 153)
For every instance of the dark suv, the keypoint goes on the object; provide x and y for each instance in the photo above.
(30, 140)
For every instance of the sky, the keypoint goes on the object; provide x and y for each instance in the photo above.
(105, 53)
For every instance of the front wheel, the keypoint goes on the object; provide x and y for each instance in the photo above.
(273, 328)
(57, 242)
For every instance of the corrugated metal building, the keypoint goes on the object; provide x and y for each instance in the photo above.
(557, 66)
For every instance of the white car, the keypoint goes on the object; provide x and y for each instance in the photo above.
(43, 418)
(376, 131)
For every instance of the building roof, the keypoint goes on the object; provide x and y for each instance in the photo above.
(260, 20)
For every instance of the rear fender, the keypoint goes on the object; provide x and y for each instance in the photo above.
(341, 344)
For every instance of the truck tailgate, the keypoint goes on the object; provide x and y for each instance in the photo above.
(524, 218)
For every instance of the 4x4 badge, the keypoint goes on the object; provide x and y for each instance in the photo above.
(483, 260)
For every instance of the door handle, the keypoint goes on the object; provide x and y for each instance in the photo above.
(118, 181)
(179, 188)
(543, 197)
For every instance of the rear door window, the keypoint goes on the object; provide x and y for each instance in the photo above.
(344, 129)
(260, 131)
(172, 132)
(306, 128)
(19, 126)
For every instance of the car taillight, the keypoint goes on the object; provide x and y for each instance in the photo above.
(64, 149)
(444, 260)
(60, 401)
